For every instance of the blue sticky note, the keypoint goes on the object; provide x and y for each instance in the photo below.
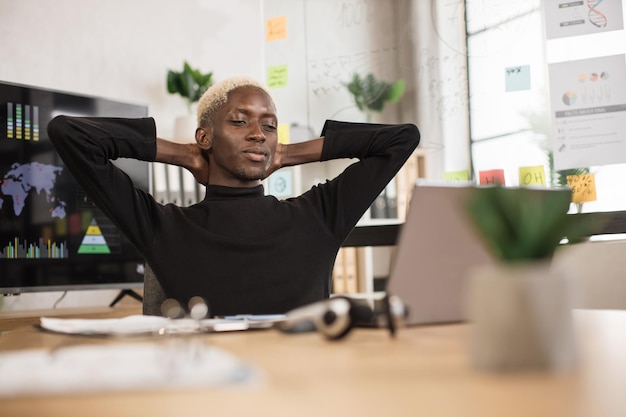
(517, 78)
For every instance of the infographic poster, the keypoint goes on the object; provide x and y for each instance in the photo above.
(565, 18)
(588, 101)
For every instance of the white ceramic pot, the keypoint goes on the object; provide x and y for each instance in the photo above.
(185, 129)
(521, 317)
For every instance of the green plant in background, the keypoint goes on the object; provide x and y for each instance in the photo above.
(189, 83)
(371, 95)
(521, 224)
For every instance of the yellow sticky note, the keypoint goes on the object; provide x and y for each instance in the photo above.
(532, 175)
(456, 176)
(277, 76)
(276, 28)
(583, 187)
(283, 133)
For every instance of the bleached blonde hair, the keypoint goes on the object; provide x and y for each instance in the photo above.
(217, 95)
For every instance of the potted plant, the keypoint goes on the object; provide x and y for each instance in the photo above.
(370, 95)
(190, 84)
(520, 307)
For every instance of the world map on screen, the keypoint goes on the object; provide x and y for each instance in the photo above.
(23, 179)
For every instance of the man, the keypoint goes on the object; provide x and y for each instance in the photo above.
(243, 251)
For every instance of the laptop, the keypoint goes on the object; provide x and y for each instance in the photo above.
(436, 248)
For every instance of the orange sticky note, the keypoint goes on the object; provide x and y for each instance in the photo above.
(493, 176)
(532, 175)
(583, 187)
(276, 28)
(456, 176)
(283, 133)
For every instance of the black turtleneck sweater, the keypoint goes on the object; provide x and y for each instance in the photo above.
(243, 251)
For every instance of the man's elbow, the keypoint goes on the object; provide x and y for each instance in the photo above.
(57, 127)
(412, 133)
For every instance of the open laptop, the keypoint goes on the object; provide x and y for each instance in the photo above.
(436, 249)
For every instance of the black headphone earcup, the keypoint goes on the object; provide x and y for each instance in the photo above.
(357, 313)
(333, 317)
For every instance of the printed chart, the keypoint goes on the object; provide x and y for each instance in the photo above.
(588, 112)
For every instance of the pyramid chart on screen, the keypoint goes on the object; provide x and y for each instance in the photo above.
(94, 241)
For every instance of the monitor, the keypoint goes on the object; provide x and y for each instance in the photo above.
(52, 237)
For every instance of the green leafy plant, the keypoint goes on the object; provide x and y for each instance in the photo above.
(521, 224)
(371, 95)
(189, 83)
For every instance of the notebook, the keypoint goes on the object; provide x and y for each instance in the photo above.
(436, 249)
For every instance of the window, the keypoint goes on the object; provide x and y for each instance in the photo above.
(509, 64)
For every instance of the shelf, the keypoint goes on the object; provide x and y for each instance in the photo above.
(373, 235)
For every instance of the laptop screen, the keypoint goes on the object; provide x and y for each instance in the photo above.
(437, 248)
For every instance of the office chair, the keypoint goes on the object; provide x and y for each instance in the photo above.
(153, 294)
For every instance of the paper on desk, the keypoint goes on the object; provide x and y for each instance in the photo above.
(140, 325)
(166, 363)
(135, 324)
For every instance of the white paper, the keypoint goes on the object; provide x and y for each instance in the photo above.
(135, 324)
(281, 183)
(588, 112)
(581, 17)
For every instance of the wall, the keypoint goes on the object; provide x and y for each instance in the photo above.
(122, 49)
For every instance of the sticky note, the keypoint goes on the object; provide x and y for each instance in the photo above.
(283, 133)
(583, 187)
(517, 78)
(277, 76)
(276, 28)
(532, 175)
(493, 176)
(456, 175)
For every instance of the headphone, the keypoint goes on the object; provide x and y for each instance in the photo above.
(333, 317)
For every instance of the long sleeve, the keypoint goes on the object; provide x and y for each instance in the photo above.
(88, 145)
(381, 150)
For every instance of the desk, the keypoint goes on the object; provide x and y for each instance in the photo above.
(423, 372)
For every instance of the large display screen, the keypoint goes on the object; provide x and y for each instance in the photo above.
(52, 237)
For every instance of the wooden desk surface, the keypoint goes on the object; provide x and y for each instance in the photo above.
(425, 371)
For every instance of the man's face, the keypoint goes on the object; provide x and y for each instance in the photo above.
(244, 139)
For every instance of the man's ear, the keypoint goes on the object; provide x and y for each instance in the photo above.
(204, 137)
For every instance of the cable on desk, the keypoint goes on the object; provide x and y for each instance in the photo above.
(59, 300)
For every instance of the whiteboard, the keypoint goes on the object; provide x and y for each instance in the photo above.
(326, 42)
